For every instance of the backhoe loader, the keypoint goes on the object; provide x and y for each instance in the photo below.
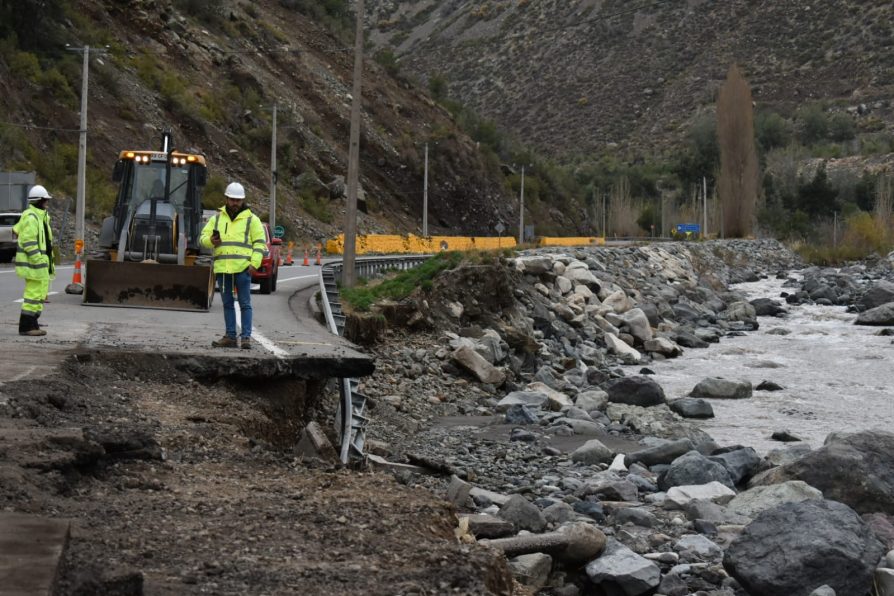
(149, 254)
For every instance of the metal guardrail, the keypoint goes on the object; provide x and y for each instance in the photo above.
(352, 420)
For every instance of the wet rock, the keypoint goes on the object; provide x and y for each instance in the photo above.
(785, 436)
(691, 407)
(719, 388)
(769, 386)
(825, 542)
(636, 391)
(767, 307)
(880, 315)
(520, 414)
(879, 294)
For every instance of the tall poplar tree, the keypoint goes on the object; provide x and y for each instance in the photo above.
(738, 182)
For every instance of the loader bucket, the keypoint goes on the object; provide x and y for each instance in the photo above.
(148, 285)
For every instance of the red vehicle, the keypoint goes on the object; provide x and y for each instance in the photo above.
(269, 269)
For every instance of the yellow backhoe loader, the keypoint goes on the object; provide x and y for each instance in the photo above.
(149, 254)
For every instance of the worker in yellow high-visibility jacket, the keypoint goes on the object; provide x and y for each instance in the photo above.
(34, 258)
(237, 236)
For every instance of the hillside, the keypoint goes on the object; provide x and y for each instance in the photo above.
(590, 75)
(210, 71)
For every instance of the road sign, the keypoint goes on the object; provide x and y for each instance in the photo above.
(691, 228)
(279, 232)
(500, 228)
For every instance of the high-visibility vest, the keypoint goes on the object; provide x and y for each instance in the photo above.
(242, 241)
(32, 260)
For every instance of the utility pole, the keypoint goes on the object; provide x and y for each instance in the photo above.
(604, 217)
(704, 207)
(521, 209)
(348, 274)
(425, 197)
(272, 216)
(80, 203)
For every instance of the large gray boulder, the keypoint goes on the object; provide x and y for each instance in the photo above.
(856, 469)
(636, 391)
(880, 315)
(740, 462)
(719, 388)
(794, 548)
(879, 294)
(619, 570)
(760, 498)
(694, 468)
(663, 453)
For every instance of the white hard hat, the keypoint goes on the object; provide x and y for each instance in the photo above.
(235, 191)
(37, 193)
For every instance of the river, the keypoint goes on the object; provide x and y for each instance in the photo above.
(836, 376)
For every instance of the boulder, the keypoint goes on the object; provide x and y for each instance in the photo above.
(638, 324)
(856, 469)
(592, 452)
(879, 294)
(663, 453)
(767, 307)
(680, 496)
(691, 407)
(476, 364)
(796, 547)
(636, 391)
(619, 570)
(523, 514)
(530, 399)
(663, 346)
(628, 353)
(694, 468)
(755, 500)
(880, 315)
(741, 463)
(719, 388)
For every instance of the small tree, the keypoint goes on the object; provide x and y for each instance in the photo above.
(738, 182)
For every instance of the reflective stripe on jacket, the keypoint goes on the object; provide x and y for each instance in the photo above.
(242, 241)
(32, 260)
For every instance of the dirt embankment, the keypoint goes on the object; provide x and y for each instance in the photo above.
(181, 487)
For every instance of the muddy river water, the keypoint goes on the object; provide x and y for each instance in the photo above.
(836, 376)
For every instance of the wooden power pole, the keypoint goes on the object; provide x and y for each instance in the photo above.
(348, 276)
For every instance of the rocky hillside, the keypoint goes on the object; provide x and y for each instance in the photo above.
(211, 71)
(578, 77)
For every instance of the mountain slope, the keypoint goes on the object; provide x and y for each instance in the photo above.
(211, 71)
(577, 77)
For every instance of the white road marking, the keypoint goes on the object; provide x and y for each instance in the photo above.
(279, 281)
(23, 375)
(22, 299)
(255, 336)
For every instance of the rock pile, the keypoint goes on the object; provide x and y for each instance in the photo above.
(591, 481)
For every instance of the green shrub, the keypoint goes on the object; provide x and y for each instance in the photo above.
(25, 65)
(397, 286)
(388, 60)
(317, 207)
(213, 195)
(57, 85)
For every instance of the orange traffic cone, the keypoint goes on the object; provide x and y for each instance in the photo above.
(319, 260)
(76, 286)
(289, 255)
(306, 262)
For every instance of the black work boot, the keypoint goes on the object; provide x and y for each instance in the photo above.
(28, 326)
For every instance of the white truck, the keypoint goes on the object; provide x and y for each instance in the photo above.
(13, 200)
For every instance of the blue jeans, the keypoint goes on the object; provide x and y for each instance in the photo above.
(242, 281)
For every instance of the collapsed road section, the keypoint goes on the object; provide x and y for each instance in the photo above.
(143, 462)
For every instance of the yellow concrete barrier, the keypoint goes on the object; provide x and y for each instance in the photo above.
(395, 244)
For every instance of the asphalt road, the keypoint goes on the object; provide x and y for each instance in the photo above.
(280, 329)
